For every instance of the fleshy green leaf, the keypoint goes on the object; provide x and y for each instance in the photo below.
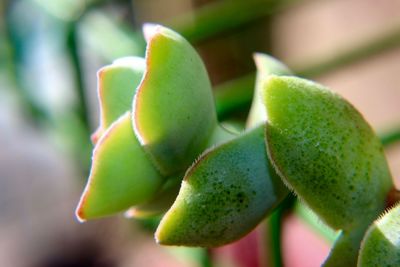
(117, 84)
(121, 175)
(224, 195)
(174, 112)
(266, 66)
(326, 152)
(381, 244)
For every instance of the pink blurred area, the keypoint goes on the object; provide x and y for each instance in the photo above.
(301, 246)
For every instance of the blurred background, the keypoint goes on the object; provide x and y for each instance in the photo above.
(50, 51)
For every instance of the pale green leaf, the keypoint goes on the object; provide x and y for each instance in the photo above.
(174, 113)
(117, 84)
(121, 175)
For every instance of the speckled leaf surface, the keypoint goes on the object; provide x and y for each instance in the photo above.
(326, 152)
(224, 195)
(121, 174)
(381, 244)
(174, 111)
(117, 85)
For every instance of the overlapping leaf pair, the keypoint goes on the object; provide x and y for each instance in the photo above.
(158, 117)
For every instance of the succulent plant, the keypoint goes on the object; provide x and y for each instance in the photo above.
(160, 148)
(159, 127)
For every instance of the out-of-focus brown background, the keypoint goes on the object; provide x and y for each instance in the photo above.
(50, 51)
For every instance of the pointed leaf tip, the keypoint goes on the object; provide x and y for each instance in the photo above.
(121, 174)
(149, 30)
(268, 65)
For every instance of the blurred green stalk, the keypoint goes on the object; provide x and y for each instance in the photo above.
(239, 92)
(390, 137)
(73, 53)
(274, 231)
(12, 56)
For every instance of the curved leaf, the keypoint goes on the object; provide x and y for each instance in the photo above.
(224, 195)
(174, 111)
(326, 152)
(121, 174)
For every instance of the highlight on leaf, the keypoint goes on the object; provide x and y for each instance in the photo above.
(173, 110)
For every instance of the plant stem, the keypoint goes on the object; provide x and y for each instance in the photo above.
(390, 137)
(274, 233)
(72, 46)
(206, 259)
(82, 146)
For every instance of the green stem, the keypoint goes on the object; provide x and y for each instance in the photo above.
(274, 232)
(275, 244)
(72, 46)
(206, 259)
(238, 93)
(82, 144)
